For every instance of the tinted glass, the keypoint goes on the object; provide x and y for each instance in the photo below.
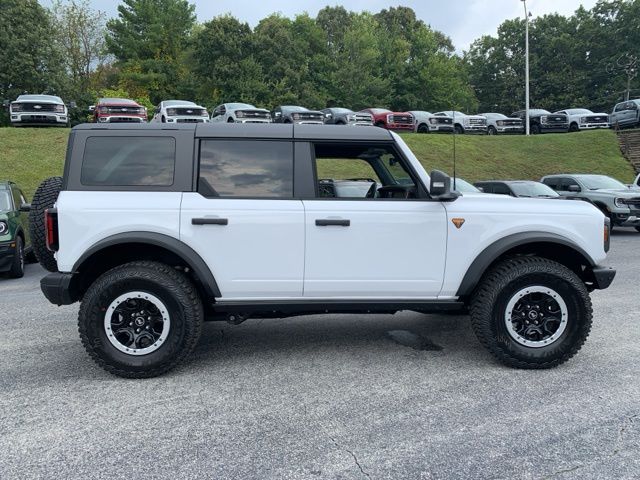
(501, 189)
(532, 189)
(5, 201)
(129, 161)
(596, 182)
(246, 168)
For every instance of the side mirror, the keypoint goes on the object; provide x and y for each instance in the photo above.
(25, 207)
(6, 103)
(481, 189)
(440, 187)
(92, 108)
(277, 114)
(72, 105)
(574, 188)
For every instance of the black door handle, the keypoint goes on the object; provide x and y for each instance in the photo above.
(209, 221)
(327, 222)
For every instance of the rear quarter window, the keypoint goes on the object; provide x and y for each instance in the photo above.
(128, 161)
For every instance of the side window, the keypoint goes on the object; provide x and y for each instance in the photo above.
(486, 187)
(246, 168)
(223, 109)
(567, 182)
(16, 198)
(360, 171)
(501, 189)
(619, 107)
(632, 106)
(128, 161)
(551, 183)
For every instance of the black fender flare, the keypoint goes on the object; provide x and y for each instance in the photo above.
(479, 266)
(181, 249)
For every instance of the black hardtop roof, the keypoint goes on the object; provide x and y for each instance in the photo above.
(255, 130)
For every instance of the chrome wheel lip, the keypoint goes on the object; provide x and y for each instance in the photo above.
(564, 314)
(166, 325)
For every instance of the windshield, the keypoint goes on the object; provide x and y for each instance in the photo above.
(168, 103)
(495, 116)
(597, 182)
(463, 186)
(340, 110)
(234, 106)
(124, 101)
(5, 201)
(377, 111)
(293, 108)
(38, 98)
(578, 111)
(539, 111)
(532, 189)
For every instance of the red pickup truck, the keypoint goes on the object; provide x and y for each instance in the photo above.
(384, 118)
(118, 110)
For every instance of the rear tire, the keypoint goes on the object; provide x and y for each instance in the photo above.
(529, 286)
(44, 198)
(423, 128)
(17, 266)
(164, 327)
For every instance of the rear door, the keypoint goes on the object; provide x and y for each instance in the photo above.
(243, 220)
(367, 240)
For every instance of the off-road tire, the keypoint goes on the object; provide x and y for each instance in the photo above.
(489, 302)
(172, 287)
(44, 198)
(17, 266)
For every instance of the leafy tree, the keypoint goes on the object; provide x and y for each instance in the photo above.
(150, 40)
(31, 61)
(80, 34)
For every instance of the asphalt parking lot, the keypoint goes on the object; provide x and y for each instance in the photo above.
(406, 396)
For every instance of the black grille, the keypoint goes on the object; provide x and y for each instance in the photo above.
(134, 110)
(597, 119)
(403, 119)
(37, 107)
(310, 116)
(512, 123)
(556, 119)
(254, 114)
(124, 120)
(477, 121)
(363, 118)
(190, 111)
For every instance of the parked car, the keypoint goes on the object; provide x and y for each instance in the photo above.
(626, 114)
(636, 183)
(543, 121)
(179, 111)
(383, 118)
(517, 188)
(619, 203)
(15, 240)
(38, 110)
(426, 122)
(463, 123)
(462, 186)
(135, 245)
(584, 119)
(344, 116)
(296, 114)
(240, 113)
(497, 123)
(118, 110)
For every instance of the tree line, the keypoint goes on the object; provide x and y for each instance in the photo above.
(156, 49)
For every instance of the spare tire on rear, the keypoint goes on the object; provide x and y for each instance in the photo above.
(44, 198)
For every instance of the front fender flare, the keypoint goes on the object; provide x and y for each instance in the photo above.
(479, 266)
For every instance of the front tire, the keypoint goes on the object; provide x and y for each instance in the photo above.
(573, 127)
(17, 266)
(492, 130)
(535, 129)
(423, 128)
(140, 319)
(459, 130)
(531, 312)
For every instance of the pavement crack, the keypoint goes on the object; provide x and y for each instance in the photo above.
(565, 470)
(626, 423)
(353, 455)
(204, 405)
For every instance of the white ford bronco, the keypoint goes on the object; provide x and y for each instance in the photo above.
(158, 228)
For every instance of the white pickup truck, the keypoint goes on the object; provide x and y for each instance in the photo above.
(155, 229)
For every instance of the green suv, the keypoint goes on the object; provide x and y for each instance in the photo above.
(15, 242)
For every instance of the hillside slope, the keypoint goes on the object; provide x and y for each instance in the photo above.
(29, 155)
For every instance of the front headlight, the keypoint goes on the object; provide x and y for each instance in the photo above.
(16, 107)
(59, 109)
(619, 202)
(103, 109)
(4, 228)
(171, 111)
(583, 119)
(500, 123)
(204, 113)
(543, 119)
(389, 118)
(433, 121)
(240, 114)
(350, 118)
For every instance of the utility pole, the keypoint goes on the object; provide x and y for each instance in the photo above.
(526, 69)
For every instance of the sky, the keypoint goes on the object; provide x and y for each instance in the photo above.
(462, 20)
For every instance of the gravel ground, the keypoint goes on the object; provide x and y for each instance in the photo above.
(330, 396)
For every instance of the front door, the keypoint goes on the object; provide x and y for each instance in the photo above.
(244, 222)
(367, 233)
